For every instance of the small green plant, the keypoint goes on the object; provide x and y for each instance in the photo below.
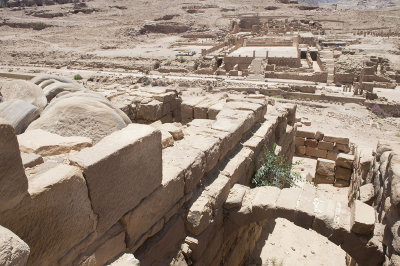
(146, 81)
(10, 70)
(39, 26)
(275, 171)
(168, 63)
(274, 262)
(77, 77)
(182, 59)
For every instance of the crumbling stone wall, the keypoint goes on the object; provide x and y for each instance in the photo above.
(127, 194)
(385, 177)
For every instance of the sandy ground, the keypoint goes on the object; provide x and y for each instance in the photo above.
(284, 243)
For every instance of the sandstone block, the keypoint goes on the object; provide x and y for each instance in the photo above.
(287, 202)
(319, 135)
(343, 173)
(264, 202)
(342, 147)
(325, 167)
(236, 128)
(45, 143)
(255, 143)
(362, 218)
(18, 113)
(31, 159)
(315, 152)
(394, 172)
(199, 215)
(345, 160)
(55, 216)
(174, 129)
(238, 168)
(129, 162)
(300, 150)
(323, 145)
(367, 193)
(324, 221)
(155, 206)
(163, 244)
(235, 196)
(218, 191)
(13, 251)
(304, 216)
(332, 155)
(13, 181)
(108, 250)
(151, 111)
(339, 140)
(322, 179)
(207, 144)
(214, 110)
(311, 143)
(191, 160)
(299, 141)
(303, 133)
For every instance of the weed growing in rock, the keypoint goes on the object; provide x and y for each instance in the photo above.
(77, 77)
(275, 171)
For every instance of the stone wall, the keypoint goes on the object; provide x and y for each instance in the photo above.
(319, 145)
(380, 188)
(315, 77)
(126, 194)
(147, 104)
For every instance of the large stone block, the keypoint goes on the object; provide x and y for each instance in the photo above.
(311, 143)
(323, 145)
(325, 167)
(163, 245)
(345, 160)
(121, 170)
(156, 205)
(199, 215)
(339, 140)
(305, 134)
(323, 179)
(343, 173)
(55, 216)
(191, 160)
(45, 143)
(13, 181)
(362, 218)
(13, 251)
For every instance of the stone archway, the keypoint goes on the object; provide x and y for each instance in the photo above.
(350, 228)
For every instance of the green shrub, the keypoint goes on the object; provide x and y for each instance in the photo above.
(275, 171)
(39, 26)
(168, 63)
(10, 70)
(77, 77)
(182, 59)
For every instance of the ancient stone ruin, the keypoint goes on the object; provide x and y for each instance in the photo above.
(199, 133)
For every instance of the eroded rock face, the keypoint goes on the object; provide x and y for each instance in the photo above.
(13, 251)
(79, 115)
(24, 90)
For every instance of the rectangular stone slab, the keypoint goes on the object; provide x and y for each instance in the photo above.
(121, 170)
